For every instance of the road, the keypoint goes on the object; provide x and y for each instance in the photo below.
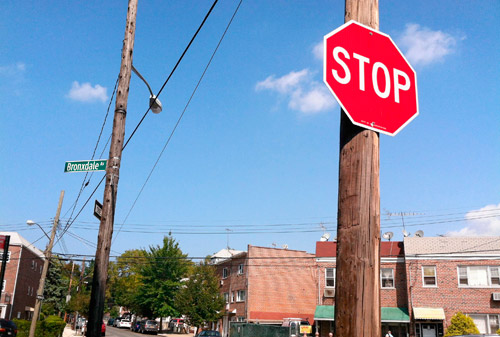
(125, 332)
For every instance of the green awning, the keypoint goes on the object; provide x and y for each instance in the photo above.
(324, 313)
(395, 315)
(327, 313)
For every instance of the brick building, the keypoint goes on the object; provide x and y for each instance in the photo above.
(22, 276)
(265, 285)
(424, 282)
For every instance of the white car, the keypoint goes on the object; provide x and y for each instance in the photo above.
(124, 323)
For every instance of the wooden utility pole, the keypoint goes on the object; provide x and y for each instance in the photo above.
(48, 254)
(357, 298)
(97, 296)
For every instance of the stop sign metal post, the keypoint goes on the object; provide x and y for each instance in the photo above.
(370, 78)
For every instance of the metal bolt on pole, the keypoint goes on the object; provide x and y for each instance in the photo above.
(48, 255)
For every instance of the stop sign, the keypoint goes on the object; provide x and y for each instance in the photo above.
(370, 78)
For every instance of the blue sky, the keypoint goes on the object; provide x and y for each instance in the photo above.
(257, 148)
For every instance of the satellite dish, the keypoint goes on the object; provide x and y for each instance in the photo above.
(285, 246)
(388, 235)
(419, 234)
(325, 237)
(405, 233)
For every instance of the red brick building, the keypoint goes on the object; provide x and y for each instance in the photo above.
(424, 282)
(22, 276)
(265, 285)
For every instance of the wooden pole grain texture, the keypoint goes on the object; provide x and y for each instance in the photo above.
(97, 296)
(357, 298)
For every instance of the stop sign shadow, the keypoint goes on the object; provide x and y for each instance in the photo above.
(370, 78)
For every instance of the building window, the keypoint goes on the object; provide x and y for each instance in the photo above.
(225, 273)
(241, 318)
(330, 277)
(32, 264)
(479, 276)
(232, 297)
(240, 269)
(486, 324)
(226, 297)
(240, 296)
(387, 277)
(3, 285)
(429, 276)
(28, 290)
(40, 269)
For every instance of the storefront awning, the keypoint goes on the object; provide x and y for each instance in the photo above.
(429, 313)
(327, 313)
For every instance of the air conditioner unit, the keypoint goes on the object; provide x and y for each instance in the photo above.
(221, 282)
(496, 296)
(329, 292)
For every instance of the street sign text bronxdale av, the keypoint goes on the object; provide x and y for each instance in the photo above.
(370, 78)
(85, 165)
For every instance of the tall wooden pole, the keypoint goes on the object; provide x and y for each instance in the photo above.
(48, 255)
(97, 295)
(357, 296)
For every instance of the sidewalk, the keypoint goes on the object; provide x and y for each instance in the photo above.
(68, 332)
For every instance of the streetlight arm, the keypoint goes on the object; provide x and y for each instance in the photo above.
(31, 223)
(142, 78)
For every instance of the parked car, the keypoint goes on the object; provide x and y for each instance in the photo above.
(175, 323)
(116, 321)
(7, 328)
(149, 326)
(110, 321)
(209, 333)
(124, 323)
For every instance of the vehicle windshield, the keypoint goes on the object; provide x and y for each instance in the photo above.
(151, 322)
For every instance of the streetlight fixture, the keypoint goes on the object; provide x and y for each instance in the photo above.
(154, 102)
(48, 254)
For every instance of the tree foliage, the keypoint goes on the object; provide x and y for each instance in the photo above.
(161, 274)
(461, 325)
(199, 299)
(55, 289)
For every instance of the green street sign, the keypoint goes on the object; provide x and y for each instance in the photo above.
(85, 165)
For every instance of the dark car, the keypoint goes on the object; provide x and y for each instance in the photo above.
(7, 328)
(209, 333)
(110, 321)
(149, 326)
(136, 326)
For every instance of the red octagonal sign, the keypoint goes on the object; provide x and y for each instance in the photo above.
(370, 78)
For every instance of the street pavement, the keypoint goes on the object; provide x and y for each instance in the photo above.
(116, 332)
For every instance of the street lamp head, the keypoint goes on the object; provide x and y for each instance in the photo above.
(155, 104)
(30, 222)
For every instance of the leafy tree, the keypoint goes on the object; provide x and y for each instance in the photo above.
(161, 274)
(461, 325)
(199, 299)
(125, 279)
(55, 289)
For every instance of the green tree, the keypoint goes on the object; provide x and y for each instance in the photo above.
(161, 274)
(55, 289)
(199, 299)
(461, 325)
(125, 279)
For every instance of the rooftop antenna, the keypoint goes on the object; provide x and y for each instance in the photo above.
(405, 233)
(274, 244)
(227, 237)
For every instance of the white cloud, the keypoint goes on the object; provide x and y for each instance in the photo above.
(423, 46)
(318, 51)
(17, 69)
(481, 222)
(304, 94)
(86, 93)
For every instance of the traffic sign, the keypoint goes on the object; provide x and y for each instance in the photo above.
(97, 209)
(370, 78)
(85, 165)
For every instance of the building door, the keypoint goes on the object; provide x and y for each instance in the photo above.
(428, 330)
(3, 311)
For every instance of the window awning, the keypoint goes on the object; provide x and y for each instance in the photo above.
(327, 313)
(429, 313)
